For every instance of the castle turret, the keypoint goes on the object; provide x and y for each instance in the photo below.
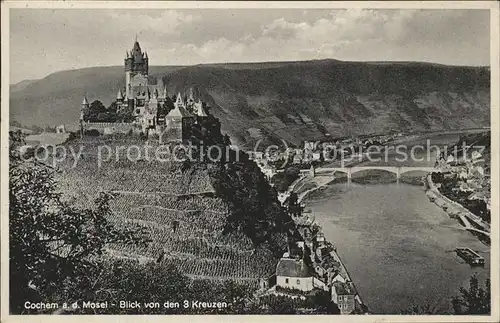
(179, 122)
(199, 110)
(191, 95)
(85, 102)
(179, 102)
(84, 108)
(119, 96)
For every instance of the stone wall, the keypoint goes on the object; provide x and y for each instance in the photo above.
(108, 128)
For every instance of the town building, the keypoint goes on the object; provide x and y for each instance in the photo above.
(344, 295)
(294, 274)
(297, 277)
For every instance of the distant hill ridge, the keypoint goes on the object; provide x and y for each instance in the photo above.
(292, 101)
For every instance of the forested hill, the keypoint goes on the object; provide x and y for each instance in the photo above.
(288, 100)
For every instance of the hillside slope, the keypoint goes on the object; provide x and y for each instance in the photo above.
(20, 85)
(289, 100)
(185, 216)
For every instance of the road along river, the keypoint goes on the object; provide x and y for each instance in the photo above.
(397, 245)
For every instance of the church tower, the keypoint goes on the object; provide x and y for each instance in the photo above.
(136, 62)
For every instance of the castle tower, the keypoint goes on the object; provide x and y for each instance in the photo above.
(84, 107)
(136, 62)
(179, 122)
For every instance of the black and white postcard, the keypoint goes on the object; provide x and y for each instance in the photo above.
(307, 159)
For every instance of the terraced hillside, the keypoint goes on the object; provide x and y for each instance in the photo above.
(179, 208)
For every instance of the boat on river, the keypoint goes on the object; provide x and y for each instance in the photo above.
(470, 256)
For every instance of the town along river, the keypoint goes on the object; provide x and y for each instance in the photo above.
(396, 244)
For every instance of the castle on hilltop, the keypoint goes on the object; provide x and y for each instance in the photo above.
(147, 107)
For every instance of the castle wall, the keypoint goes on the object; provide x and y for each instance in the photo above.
(187, 128)
(109, 128)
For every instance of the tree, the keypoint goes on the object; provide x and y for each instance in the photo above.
(283, 179)
(51, 241)
(254, 207)
(36, 129)
(293, 206)
(425, 309)
(280, 305)
(49, 128)
(322, 303)
(122, 114)
(474, 300)
(115, 280)
(96, 108)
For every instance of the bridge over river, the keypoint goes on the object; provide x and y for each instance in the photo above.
(397, 170)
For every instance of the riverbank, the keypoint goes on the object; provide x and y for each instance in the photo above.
(455, 210)
(319, 183)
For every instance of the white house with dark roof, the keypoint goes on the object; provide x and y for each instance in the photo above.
(344, 295)
(295, 274)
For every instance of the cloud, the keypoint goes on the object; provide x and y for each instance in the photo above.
(282, 29)
(66, 39)
(353, 34)
(168, 22)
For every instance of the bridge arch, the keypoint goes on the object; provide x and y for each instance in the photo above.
(393, 170)
(397, 170)
(407, 169)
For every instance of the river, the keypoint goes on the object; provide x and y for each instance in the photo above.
(396, 244)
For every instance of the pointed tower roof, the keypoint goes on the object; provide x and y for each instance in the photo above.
(198, 109)
(119, 96)
(179, 111)
(179, 101)
(136, 47)
(136, 51)
(85, 101)
(165, 94)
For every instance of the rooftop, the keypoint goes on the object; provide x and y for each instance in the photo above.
(179, 111)
(344, 288)
(292, 268)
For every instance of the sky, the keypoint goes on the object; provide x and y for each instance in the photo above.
(44, 41)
